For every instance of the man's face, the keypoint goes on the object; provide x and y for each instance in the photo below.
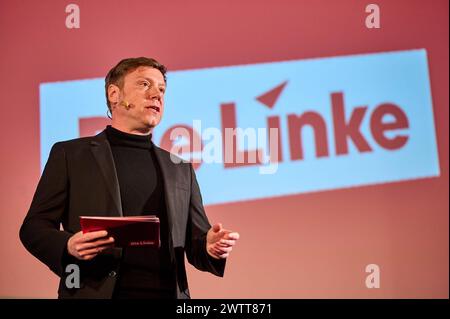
(143, 89)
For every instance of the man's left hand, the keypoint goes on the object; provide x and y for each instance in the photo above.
(220, 241)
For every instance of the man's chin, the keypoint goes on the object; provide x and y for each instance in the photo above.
(151, 122)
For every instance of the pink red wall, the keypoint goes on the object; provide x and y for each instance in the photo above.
(310, 245)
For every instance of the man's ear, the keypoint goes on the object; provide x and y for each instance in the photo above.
(113, 94)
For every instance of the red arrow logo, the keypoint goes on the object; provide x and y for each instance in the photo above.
(269, 98)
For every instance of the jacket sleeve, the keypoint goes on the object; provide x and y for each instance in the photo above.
(40, 232)
(197, 228)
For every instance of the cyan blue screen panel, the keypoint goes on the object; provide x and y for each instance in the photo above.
(194, 98)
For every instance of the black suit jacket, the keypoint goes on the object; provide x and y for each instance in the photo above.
(80, 179)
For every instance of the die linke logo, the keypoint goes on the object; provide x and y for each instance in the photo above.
(345, 130)
(281, 128)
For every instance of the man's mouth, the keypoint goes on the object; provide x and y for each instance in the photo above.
(153, 107)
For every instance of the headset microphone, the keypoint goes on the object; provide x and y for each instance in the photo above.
(126, 104)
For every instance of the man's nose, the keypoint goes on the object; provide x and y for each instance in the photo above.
(154, 93)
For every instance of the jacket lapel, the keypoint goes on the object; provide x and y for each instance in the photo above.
(168, 178)
(103, 155)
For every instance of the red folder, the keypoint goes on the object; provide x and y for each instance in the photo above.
(126, 231)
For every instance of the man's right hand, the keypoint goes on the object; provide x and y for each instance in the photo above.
(87, 246)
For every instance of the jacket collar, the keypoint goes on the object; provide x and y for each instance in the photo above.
(103, 155)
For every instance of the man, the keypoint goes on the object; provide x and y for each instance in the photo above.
(120, 172)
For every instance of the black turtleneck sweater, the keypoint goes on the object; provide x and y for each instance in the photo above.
(145, 272)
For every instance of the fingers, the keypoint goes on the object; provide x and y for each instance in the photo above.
(223, 250)
(222, 242)
(82, 238)
(232, 235)
(217, 254)
(93, 235)
(93, 251)
(93, 244)
(227, 237)
(87, 246)
(220, 250)
(226, 234)
(226, 243)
